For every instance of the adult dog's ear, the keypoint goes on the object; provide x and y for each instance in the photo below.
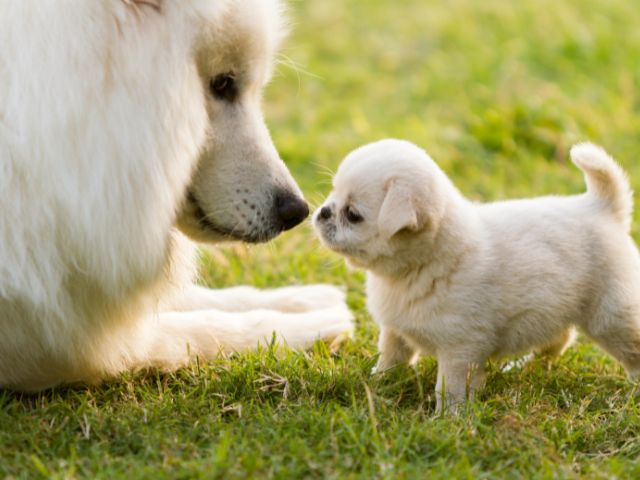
(398, 211)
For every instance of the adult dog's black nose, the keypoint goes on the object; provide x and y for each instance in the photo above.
(291, 210)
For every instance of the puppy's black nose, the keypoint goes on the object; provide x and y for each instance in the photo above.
(325, 213)
(291, 210)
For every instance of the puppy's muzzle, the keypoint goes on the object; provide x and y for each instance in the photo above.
(290, 210)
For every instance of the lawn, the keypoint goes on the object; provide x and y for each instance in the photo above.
(497, 92)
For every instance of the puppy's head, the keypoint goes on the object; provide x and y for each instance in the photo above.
(387, 202)
(240, 188)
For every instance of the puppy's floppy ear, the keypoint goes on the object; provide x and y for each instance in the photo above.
(398, 211)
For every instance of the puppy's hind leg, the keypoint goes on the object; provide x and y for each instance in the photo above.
(553, 349)
(558, 346)
(617, 331)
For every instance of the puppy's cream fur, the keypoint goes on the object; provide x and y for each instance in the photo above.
(111, 138)
(466, 281)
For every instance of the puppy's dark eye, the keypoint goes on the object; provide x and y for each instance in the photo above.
(224, 87)
(352, 216)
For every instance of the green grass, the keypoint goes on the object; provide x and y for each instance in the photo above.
(496, 91)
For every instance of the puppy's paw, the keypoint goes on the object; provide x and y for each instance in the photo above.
(380, 367)
(449, 406)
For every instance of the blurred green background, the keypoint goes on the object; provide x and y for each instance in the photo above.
(497, 92)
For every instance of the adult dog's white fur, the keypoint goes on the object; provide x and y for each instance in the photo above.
(466, 281)
(110, 136)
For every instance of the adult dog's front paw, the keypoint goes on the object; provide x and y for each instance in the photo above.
(337, 325)
(307, 298)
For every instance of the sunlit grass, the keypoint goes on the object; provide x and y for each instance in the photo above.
(497, 92)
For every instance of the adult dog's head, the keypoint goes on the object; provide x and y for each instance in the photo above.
(122, 119)
(240, 187)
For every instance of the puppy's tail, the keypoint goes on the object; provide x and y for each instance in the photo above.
(606, 180)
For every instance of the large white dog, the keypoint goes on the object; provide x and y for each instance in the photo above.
(120, 122)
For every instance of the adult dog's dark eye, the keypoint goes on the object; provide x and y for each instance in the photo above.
(224, 87)
(352, 215)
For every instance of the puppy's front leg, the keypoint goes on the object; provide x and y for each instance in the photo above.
(394, 350)
(458, 379)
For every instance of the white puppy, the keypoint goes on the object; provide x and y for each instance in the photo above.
(466, 281)
(125, 124)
